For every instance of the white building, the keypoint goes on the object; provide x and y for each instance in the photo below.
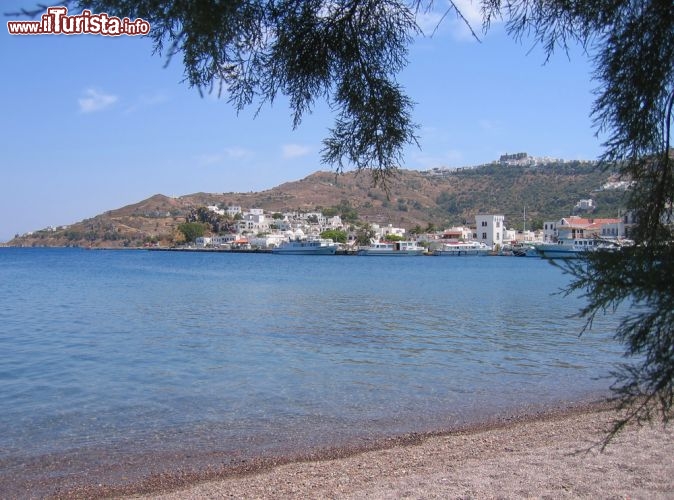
(489, 229)
(214, 208)
(215, 241)
(549, 231)
(268, 241)
(585, 205)
(458, 233)
(254, 221)
(579, 227)
(233, 210)
(203, 241)
(382, 232)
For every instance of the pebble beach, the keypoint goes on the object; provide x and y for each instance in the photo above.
(556, 454)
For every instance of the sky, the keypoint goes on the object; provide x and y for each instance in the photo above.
(90, 123)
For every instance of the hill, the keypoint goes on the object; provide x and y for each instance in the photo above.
(416, 198)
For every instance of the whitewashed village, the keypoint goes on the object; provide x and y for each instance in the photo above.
(308, 233)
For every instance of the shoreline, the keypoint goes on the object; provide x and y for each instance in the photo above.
(550, 452)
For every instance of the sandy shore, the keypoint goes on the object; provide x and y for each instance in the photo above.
(551, 456)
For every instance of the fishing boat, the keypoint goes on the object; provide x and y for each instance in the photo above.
(460, 248)
(393, 249)
(313, 246)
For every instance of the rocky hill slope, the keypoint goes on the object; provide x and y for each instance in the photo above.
(415, 198)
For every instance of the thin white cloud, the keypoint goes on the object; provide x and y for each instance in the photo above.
(147, 101)
(232, 153)
(237, 153)
(444, 18)
(290, 151)
(93, 101)
(429, 22)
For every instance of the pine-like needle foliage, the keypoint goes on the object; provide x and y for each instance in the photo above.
(632, 45)
(347, 52)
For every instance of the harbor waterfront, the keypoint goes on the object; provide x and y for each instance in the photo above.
(115, 365)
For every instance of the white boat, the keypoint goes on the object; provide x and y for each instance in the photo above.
(315, 246)
(463, 248)
(396, 248)
(525, 250)
(568, 248)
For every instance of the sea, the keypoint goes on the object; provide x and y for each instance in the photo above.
(119, 365)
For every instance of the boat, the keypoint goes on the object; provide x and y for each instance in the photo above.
(459, 248)
(525, 250)
(395, 248)
(313, 246)
(573, 248)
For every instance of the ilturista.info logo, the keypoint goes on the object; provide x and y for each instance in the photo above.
(56, 21)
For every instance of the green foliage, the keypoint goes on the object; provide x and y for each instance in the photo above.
(633, 52)
(394, 237)
(346, 212)
(329, 211)
(213, 221)
(192, 230)
(347, 52)
(335, 235)
(637, 281)
(364, 235)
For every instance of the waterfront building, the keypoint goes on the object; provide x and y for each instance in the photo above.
(458, 233)
(489, 229)
(580, 227)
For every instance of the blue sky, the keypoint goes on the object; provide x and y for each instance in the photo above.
(92, 123)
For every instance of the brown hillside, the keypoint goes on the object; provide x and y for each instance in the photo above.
(437, 197)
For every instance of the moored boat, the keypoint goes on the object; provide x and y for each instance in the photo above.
(568, 248)
(525, 250)
(395, 248)
(460, 248)
(315, 246)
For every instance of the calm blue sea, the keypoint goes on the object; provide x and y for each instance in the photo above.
(121, 354)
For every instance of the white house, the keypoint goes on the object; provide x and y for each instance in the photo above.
(203, 241)
(233, 210)
(254, 221)
(457, 233)
(214, 208)
(382, 232)
(489, 229)
(215, 241)
(226, 239)
(268, 241)
(549, 231)
(579, 227)
(585, 205)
